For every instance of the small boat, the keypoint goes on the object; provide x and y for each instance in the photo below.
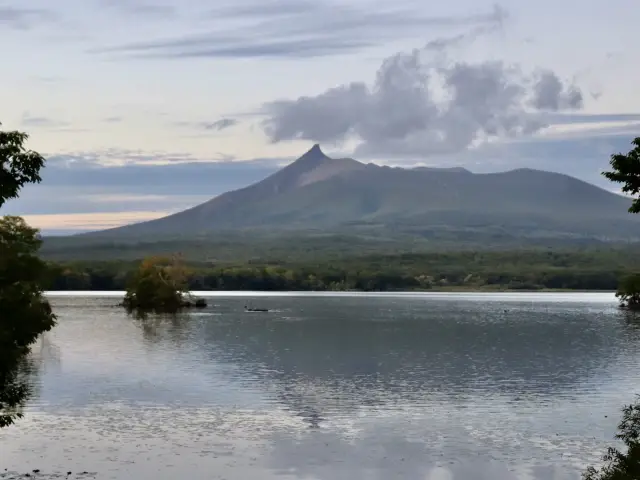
(248, 309)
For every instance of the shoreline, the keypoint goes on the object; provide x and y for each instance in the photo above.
(440, 290)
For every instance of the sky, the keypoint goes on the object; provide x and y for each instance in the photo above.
(144, 108)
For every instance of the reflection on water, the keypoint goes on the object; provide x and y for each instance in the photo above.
(18, 380)
(331, 387)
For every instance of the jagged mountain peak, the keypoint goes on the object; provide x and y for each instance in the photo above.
(314, 155)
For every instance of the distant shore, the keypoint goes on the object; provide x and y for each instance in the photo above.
(518, 271)
(118, 293)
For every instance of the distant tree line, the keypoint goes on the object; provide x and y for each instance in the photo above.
(506, 270)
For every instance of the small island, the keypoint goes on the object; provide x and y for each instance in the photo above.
(160, 285)
(629, 292)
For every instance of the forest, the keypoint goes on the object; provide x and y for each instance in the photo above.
(527, 269)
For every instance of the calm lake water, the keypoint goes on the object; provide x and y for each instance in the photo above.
(329, 387)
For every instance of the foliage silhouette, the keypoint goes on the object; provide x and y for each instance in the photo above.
(629, 292)
(625, 169)
(621, 465)
(24, 312)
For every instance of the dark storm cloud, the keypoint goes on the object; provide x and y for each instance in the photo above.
(298, 29)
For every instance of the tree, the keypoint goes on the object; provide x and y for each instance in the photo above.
(159, 285)
(625, 169)
(629, 292)
(18, 166)
(622, 465)
(24, 312)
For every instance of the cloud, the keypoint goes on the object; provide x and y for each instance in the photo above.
(221, 124)
(421, 104)
(274, 8)
(298, 48)
(218, 125)
(465, 38)
(24, 18)
(196, 176)
(112, 157)
(42, 122)
(587, 118)
(48, 79)
(80, 222)
(298, 29)
(83, 186)
(83, 201)
(582, 155)
(550, 93)
(140, 8)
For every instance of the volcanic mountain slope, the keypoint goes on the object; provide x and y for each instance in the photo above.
(318, 192)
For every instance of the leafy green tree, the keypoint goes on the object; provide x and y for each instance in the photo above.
(159, 285)
(24, 312)
(629, 292)
(621, 465)
(625, 169)
(18, 166)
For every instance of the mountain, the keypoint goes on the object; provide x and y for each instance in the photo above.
(318, 192)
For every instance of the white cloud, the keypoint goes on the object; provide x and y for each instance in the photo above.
(419, 104)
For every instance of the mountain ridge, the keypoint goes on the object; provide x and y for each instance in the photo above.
(317, 191)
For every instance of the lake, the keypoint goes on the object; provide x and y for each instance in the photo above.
(329, 387)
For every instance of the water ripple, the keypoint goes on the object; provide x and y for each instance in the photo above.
(328, 387)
